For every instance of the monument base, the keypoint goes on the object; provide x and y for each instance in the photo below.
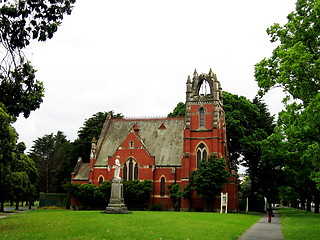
(116, 205)
(116, 210)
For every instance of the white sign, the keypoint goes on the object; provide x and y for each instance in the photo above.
(224, 203)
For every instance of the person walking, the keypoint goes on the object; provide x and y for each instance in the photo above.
(270, 213)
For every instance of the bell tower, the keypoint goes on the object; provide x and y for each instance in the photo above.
(204, 89)
(205, 128)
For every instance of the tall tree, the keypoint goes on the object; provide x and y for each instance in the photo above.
(8, 139)
(18, 175)
(49, 152)
(24, 177)
(294, 66)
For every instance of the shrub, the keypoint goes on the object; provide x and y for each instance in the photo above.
(156, 207)
(137, 193)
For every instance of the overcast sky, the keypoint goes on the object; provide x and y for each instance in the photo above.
(134, 57)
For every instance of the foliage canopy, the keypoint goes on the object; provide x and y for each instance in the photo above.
(209, 178)
(294, 66)
(20, 22)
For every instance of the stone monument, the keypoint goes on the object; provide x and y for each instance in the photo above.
(116, 203)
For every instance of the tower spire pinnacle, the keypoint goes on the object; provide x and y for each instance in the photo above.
(93, 148)
(189, 79)
(195, 74)
(210, 72)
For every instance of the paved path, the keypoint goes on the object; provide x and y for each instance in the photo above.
(263, 230)
(8, 211)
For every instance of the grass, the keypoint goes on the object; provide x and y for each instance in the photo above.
(299, 224)
(75, 225)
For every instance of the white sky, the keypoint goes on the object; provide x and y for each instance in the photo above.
(134, 57)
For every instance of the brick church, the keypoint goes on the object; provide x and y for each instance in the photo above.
(165, 150)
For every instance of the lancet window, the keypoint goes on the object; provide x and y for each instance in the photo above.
(202, 153)
(201, 117)
(162, 186)
(130, 170)
(100, 180)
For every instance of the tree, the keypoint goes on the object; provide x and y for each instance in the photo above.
(175, 193)
(294, 66)
(248, 124)
(209, 179)
(245, 188)
(20, 22)
(18, 174)
(49, 153)
(179, 110)
(24, 177)
(8, 139)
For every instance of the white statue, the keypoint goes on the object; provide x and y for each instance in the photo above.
(117, 171)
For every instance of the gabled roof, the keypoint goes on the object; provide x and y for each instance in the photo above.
(134, 132)
(162, 138)
(82, 173)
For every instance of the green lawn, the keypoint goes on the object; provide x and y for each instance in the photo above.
(299, 224)
(64, 224)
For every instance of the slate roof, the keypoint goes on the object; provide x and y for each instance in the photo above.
(82, 173)
(163, 138)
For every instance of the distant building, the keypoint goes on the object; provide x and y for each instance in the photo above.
(165, 150)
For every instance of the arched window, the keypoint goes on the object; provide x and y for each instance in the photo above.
(204, 88)
(131, 144)
(130, 170)
(202, 154)
(100, 180)
(201, 117)
(162, 186)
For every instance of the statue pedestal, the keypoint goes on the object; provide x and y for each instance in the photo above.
(116, 204)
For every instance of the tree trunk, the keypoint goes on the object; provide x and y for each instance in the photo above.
(252, 193)
(309, 204)
(17, 205)
(2, 206)
(316, 204)
(208, 205)
(253, 203)
(302, 202)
